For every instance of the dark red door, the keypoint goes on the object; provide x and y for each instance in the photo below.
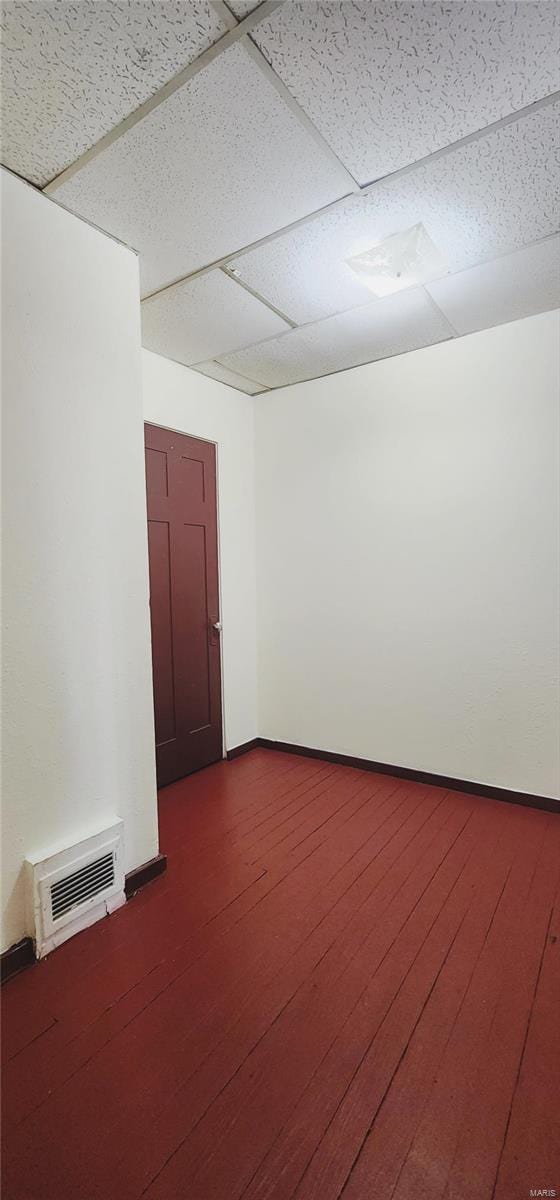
(183, 550)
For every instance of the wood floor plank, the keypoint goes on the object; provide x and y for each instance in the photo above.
(530, 1155)
(264, 915)
(229, 1142)
(228, 791)
(81, 1009)
(322, 1105)
(340, 974)
(392, 1126)
(477, 1155)
(233, 876)
(159, 1023)
(265, 1006)
(430, 1157)
(208, 804)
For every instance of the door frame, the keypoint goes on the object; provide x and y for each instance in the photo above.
(210, 442)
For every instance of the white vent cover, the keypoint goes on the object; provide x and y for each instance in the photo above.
(69, 889)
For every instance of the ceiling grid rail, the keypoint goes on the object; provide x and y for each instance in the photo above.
(239, 30)
(320, 321)
(367, 189)
(173, 85)
(243, 31)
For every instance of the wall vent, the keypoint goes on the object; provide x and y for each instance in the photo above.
(81, 885)
(69, 889)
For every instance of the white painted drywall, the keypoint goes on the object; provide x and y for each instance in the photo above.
(78, 740)
(407, 550)
(181, 399)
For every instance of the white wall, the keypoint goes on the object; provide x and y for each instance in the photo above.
(407, 546)
(180, 399)
(408, 572)
(78, 741)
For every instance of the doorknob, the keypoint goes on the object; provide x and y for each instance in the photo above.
(217, 625)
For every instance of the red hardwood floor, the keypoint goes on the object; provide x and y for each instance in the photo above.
(345, 985)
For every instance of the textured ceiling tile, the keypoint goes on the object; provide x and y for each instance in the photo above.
(217, 371)
(377, 330)
(205, 317)
(71, 71)
(220, 164)
(481, 200)
(242, 8)
(387, 83)
(507, 289)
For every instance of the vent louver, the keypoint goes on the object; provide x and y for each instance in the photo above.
(82, 885)
(75, 885)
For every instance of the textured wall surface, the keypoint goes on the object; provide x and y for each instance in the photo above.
(78, 734)
(407, 550)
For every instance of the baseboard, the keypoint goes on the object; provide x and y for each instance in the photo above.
(17, 958)
(145, 873)
(22, 954)
(446, 781)
(244, 748)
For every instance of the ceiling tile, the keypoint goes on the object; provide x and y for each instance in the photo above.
(217, 371)
(71, 71)
(376, 330)
(481, 200)
(242, 8)
(387, 83)
(220, 164)
(205, 317)
(517, 285)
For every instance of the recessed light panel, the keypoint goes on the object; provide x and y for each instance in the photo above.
(399, 262)
(481, 200)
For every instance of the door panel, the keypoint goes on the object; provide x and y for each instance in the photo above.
(162, 640)
(183, 551)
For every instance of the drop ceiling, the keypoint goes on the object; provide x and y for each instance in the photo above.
(247, 150)
(200, 173)
(70, 72)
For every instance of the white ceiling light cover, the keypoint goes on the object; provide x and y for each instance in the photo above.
(218, 165)
(225, 161)
(399, 262)
(387, 84)
(480, 200)
(506, 289)
(204, 317)
(376, 330)
(72, 71)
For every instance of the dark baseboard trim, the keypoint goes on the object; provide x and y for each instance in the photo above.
(145, 873)
(17, 958)
(445, 781)
(22, 954)
(244, 748)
